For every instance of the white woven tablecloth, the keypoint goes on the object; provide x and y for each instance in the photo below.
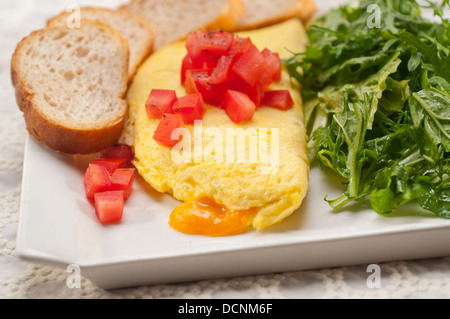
(428, 278)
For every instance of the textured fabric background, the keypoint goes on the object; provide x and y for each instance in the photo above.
(18, 279)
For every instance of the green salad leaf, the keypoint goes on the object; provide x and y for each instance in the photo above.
(377, 102)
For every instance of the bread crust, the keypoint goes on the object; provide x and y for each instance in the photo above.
(54, 135)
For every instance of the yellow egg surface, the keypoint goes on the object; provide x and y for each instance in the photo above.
(260, 165)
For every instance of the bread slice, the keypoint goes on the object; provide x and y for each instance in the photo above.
(260, 13)
(172, 20)
(135, 29)
(70, 85)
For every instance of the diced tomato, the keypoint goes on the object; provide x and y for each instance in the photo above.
(255, 93)
(264, 80)
(160, 102)
(189, 81)
(239, 107)
(217, 96)
(186, 64)
(119, 151)
(96, 179)
(198, 81)
(109, 206)
(108, 184)
(221, 73)
(122, 179)
(190, 107)
(204, 63)
(280, 99)
(250, 66)
(110, 163)
(166, 126)
(201, 81)
(228, 71)
(239, 46)
(215, 42)
(206, 60)
(193, 44)
(273, 64)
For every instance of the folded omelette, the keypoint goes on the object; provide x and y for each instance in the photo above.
(258, 193)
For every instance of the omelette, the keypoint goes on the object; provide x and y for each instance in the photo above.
(229, 187)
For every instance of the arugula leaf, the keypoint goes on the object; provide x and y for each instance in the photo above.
(394, 96)
(377, 103)
(431, 109)
(349, 125)
(436, 189)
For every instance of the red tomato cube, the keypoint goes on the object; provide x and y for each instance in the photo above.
(119, 151)
(217, 96)
(198, 81)
(239, 46)
(160, 102)
(193, 44)
(111, 164)
(264, 80)
(203, 64)
(109, 206)
(122, 179)
(189, 81)
(186, 64)
(206, 60)
(190, 108)
(166, 126)
(96, 179)
(215, 42)
(221, 73)
(239, 107)
(279, 99)
(255, 92)
(273, 64)
(250, 66)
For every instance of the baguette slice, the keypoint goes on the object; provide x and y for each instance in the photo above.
(172, 20)
(135, 29)
(261, 13)
(70, 84)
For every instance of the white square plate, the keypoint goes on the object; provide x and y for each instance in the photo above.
(58, 227)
